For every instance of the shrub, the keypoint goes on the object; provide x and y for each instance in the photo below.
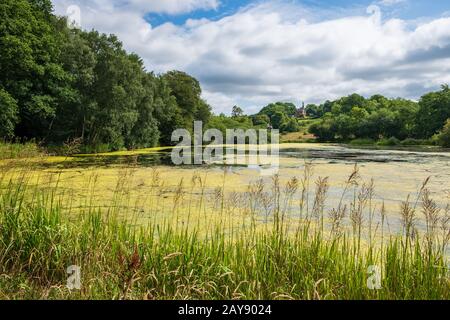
(362, 142)
(99, 148)
(393, 141)
(9, 150)
(443, 138)
(290, 126)
(414, 142)
(8, 114)
(323, 130)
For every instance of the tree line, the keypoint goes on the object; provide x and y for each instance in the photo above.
(380, 118)
(59, 83)
(359, 119)
(280, 115)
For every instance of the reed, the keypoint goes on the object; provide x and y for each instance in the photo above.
(17, 150)
(260, 255)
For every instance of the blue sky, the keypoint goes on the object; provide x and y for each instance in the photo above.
(251, 53)
(404, 9)
(227, 7)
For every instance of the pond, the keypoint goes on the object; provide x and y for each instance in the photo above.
(397, 174)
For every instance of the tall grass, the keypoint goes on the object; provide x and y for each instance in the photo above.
(17, 150)
(270, 255)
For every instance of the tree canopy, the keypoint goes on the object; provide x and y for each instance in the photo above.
(280, 115)
(58, 83)
(378, 117)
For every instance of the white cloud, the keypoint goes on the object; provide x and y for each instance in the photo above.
(270, 52)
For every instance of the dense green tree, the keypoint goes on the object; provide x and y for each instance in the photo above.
(167, 112)
(237, 112)
(325, 130)
(30, 48)
(144, 132)
(59, 83)
(374, 118)
(260, 120)
(291, 125)
(314, 111)
(8, 114)
(433, 112)
(353, 100)
(405, 116)
(113, 97)
(222, 123)
(288, 109)
(45, 6)
(115, 93)
(278, 119)
(443, 138)
(318, 111)
(75, 113)
(187, 92)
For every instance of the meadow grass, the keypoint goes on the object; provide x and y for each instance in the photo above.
(19, 150)
(268, 254)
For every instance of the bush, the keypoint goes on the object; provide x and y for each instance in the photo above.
(290, 126)
(362, 142)
(443, 138)
(8, 114)
(415, 142)
(393, 141)
(9, 150)
(323, 130)
(99, 148)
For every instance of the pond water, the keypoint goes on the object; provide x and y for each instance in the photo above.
(397, 174)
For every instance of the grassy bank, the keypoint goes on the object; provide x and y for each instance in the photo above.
(270, 256)
(10, 150)
(393, 142)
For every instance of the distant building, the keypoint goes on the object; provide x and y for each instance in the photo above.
(301, 112)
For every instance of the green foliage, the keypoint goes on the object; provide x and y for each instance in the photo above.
(324, 130)
(362, 142)
(30, 47)
(282, 259)
(278, 118)
(280, 115)
(187, 93)
(391, 142)
(291, 125)
(355, 117)
(8, 114)
(433, 113)
(414, 142)
(314, 111)
(16, 150)
(260, 120)
(237, 112)
(58, 84)
(286, 108)
(222, 123)
(443, 137)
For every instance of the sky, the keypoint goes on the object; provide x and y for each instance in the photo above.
(251, 53)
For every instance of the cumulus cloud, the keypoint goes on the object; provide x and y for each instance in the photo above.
(268, 52)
